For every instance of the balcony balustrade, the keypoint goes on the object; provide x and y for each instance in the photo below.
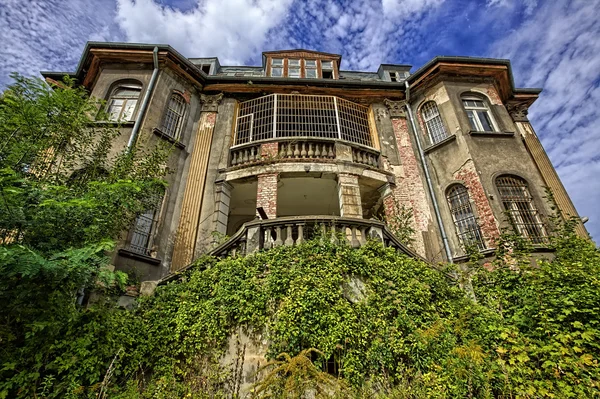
(288, 231)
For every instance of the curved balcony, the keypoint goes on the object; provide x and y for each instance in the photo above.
(288, 231)
(303, 128)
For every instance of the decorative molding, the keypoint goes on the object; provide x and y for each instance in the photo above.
(210, 103)
(518, 111)
(397, 108)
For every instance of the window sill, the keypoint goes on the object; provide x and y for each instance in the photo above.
(144, 258)
(440, 143)
(114, 123)
(491, 134)
(537, 248)
(168, 138)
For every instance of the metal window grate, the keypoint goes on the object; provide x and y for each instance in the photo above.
(465, 221)
(518, 202)
(295, 115)
(174, 116)
(433, 122)
(143, 227)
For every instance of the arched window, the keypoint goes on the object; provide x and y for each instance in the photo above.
(173, 119)
(122, 102)
(467, 228)
(518, 202)
(433, 122)
(479, 114)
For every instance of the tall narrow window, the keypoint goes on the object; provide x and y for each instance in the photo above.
(479, 114)
(277, 67)
(173, 119)
(327, 69)
(518, 202)
(433, 122)
(467, 228)
(122, 102)
(310, 68)
(293, 68)
(143, 227)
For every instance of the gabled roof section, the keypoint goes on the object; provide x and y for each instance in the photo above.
(302, 53)
(498, 69)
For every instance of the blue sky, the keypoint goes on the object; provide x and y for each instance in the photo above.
(552, 44)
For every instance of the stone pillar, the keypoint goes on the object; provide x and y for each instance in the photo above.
(266, 193)
(349, 196)
(410, 188)
(518, 112)
(185, 239)
(223, 197)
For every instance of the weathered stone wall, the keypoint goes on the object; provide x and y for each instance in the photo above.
(349, 196)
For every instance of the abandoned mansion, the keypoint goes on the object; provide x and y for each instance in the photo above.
(270, 155)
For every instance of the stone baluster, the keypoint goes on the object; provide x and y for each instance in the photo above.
(334, 238)
(289, 240)
(300, 238)
(296, 150)
(278, 238)
(268, 240)
(281, 151)
(252, 154)
(317, 150)
(311, 152)
(303, 151)
(354, 242)
(330, 153)
(234, 155)
(363, 235)
(289, 152)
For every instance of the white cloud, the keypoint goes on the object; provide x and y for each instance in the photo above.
(557, 49)
(233, 30)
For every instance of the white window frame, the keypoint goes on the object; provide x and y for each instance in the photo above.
(295, 67)
(473, 114)
(323, 68)
(279, 67)
(310, 68)
(436, 130)
(175, 112)
(128, 103)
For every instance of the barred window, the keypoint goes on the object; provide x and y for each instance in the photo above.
(173, 119)
(467, 228)
(433, 122)
(518, 202)
(480, 117)
(123, 101)
(143, 228)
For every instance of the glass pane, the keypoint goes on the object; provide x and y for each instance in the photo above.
(311, 73)
(277, 72)
(277, 61)
(294, 72)
(311, 63)
(294, 62)
(327, 64)
(472, 120)
(485, 120)
(114, 111)
(127, 93)
(128, 111)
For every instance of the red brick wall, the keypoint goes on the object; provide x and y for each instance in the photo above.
(493, 95)
(487, 221)
(266, 194)
(410, 190)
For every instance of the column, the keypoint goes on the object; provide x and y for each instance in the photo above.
(349, 196)
(266, 193)
(185, 238)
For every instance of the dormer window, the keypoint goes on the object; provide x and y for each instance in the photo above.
(310, 68)
(293, 68)
(327, 69)
(205, 68)
(277, 67)
(394, 76)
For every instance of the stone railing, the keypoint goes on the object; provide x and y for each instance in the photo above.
(288, 231)
(365, 157)
(245, 155)
(306, 149)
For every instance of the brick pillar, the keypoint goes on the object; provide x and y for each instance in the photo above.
(349, 196)
(185, 240)
(266, 193)
(223, 197)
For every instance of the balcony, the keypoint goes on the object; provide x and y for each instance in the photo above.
(303, 128)
(288, 231)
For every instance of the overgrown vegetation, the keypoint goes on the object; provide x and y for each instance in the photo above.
(394, 327)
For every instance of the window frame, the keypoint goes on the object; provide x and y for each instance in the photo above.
(273, 66)
(113, 96)
(149, 235)
(307, 68)
(181, 118)
(468, 225)
(431, 120)
(526, 219)
(328, 69)
(297, 67)
(475, 110)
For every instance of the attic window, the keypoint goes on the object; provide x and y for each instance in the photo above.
(277, 67)
(206, 68)
(394, 76)
(327, 69)
(310, 68)
(293, 68)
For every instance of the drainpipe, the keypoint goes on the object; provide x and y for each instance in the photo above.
(427, 176)
(143, 108)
